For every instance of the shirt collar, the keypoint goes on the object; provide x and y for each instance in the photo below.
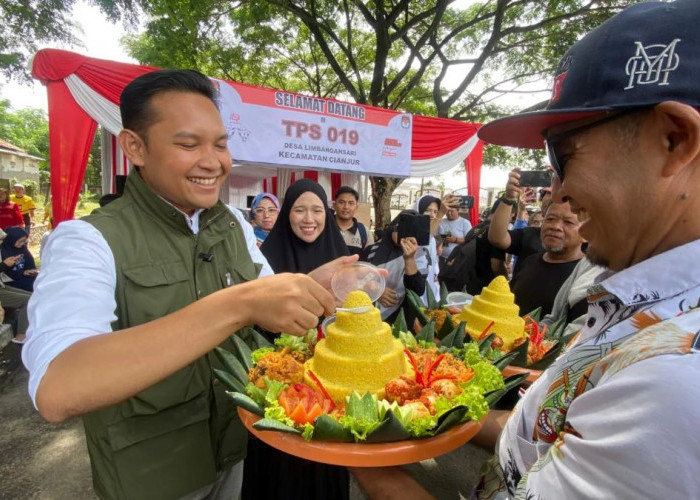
(659, 277)
(352, 228)
(193, 221)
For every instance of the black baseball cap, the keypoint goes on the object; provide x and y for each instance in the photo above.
(644, 55)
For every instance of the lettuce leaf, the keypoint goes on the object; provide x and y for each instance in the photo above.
(472, 354)
(294, 343)
(486, 377)
(311, 337)
(422, 426)
(269, 394)
(408, 340)
(494, 353)
(308, 432)
(259, 353)
(276, 412)
(471, 397)
(425, 344)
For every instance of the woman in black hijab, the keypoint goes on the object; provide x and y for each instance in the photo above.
(399, 259)
(304, 237)
(23, 272)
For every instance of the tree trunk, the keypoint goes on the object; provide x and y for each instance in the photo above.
(382, 189)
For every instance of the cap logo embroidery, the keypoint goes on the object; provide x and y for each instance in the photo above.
(557, 87)
(652, 64)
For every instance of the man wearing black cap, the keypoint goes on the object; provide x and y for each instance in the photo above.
(616, 415)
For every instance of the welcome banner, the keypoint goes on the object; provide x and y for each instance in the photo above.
(275, 127)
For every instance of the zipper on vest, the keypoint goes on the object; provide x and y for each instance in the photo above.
(197, 291)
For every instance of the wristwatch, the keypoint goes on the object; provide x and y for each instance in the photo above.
(508, 201)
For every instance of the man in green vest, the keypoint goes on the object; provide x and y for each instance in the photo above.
(133, 298)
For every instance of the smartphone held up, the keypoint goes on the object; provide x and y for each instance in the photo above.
(416, 226)
(535, 178)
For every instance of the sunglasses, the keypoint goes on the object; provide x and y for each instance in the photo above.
(552, 143)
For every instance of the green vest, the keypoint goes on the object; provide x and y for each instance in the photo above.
(172, 438)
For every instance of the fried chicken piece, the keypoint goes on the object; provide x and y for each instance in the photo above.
(401, 389)
(447, 388)
(428, 398)
(280, 366)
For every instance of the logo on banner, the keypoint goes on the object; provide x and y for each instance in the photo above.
(652, 64)
(235, 129)
(405, 121)
(391, 147)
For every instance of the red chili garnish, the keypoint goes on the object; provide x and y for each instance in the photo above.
(533, 330)
(427, 378)
(319, 333)
(414, 364)
(485, 333)
(321, 388)
(429, 369)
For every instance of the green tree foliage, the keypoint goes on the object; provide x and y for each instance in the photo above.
(28, 129)
(93, 171)
(436, 57)
(27, 23)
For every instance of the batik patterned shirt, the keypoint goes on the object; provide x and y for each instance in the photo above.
(616, 415)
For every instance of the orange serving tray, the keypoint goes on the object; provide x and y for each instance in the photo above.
(363, 454)
(516, 370)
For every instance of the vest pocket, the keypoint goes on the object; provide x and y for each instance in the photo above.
(164, 455)
(154, 290)
(245, 271)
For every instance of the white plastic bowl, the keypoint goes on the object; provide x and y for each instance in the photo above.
(324, 324)
(455, 301)
(358, 276)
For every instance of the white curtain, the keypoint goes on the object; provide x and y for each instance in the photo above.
(439, 164)
(324, 179)
(284, 179)
(100, 109)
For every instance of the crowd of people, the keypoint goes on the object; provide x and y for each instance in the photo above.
(17, 267)
(132, 299)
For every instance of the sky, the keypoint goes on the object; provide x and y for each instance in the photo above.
(101, 40)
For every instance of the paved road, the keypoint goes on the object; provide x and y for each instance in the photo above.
(50, 462)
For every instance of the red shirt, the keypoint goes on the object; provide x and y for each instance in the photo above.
(10, 215)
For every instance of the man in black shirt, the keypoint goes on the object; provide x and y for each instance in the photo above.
(353, 232)
(517, 242)
(538, 277)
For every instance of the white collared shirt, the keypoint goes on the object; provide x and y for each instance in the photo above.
(634, 433)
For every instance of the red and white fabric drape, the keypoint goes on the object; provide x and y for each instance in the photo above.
(84, 91)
